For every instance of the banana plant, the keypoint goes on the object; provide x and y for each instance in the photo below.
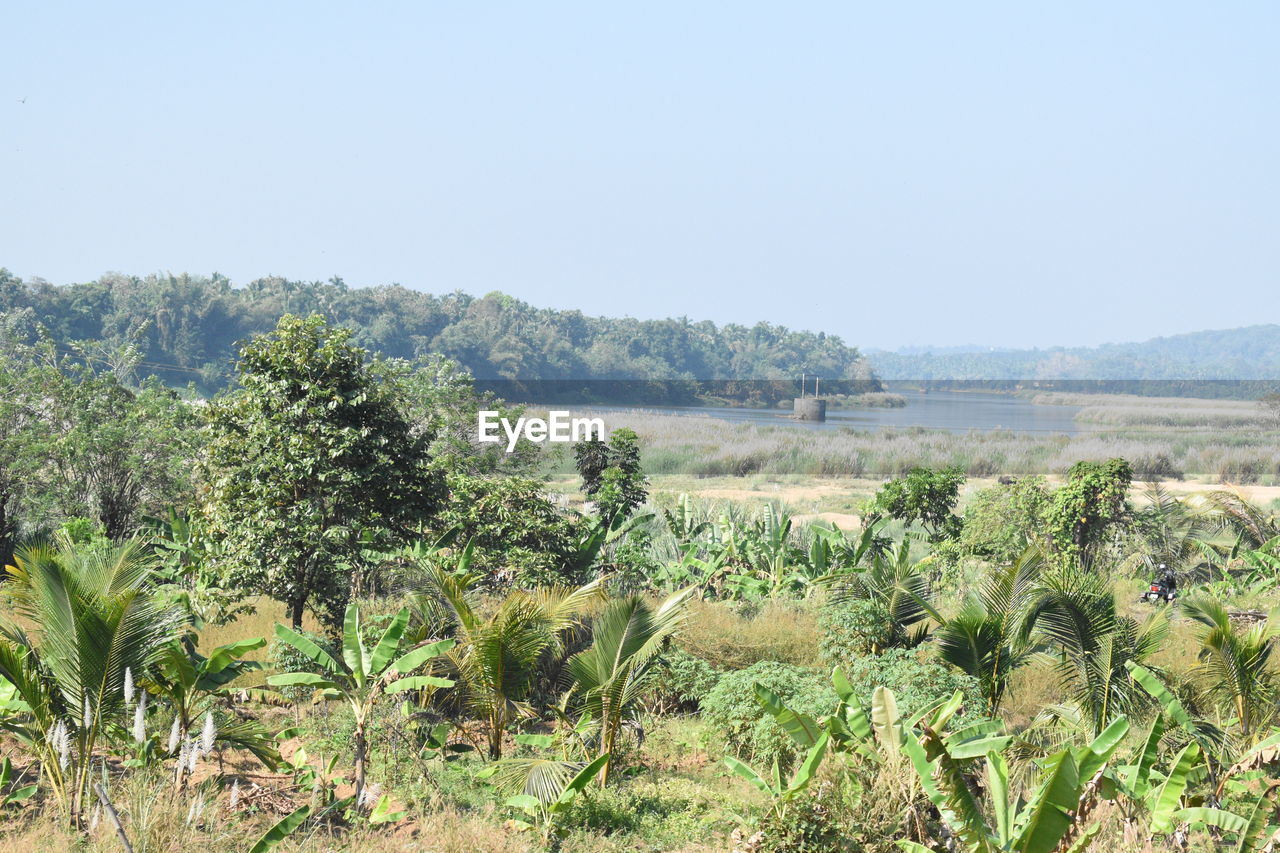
(683, 522)
(781, 792)
(1254, 831)
(17, 795)
(1146, 791)
(1053, 818)
(364, 674)
(192, 685)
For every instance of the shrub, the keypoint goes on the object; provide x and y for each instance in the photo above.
(283, 657)
(854, 629)
(915, 682)
(682, 683)
(1001, 521)
(748, 729)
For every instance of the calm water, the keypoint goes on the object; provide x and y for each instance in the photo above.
(953, 411)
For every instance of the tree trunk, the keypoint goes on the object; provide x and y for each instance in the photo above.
(295, 612)
(360, 748)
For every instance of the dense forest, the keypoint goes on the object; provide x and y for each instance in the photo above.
(183, 329)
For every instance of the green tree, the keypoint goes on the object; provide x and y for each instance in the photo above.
(1001, 521)
(1094, 499)
(925, 497)
(518, 536)
(611, 473)
(1234, 665)
(496, 659)
(989, 637)
(311, 463)
(118, 451)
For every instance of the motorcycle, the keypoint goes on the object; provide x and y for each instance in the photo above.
(1159, 591)
(1163, 589)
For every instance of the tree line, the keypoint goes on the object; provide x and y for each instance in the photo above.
(185, 329)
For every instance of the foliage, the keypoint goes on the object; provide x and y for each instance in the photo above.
(94, 623)
(915, 682)
(1053, 818)
(1235, 665)
(855, 628)
(925, 497)
(498, 650)
(989, 637)
(1075, 613)
(519, 537)
(682, 683)
(610, 677)
(1001, 522)
(364, 673)
(900, 590)
(1080, 513)
(611, 473)
(731, 708)
(188, 326)
(310, 458)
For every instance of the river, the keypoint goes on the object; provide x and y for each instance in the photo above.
(952, 411)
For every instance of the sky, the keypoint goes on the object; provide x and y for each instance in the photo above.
(1009, 174)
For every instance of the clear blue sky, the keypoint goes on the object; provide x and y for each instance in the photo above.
(1010, 174)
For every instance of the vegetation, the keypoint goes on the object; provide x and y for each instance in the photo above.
(461, 661)
(185, 329)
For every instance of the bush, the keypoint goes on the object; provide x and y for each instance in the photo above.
(748, 729)
(682, 683)
(283, 657)
(916, 683)
(854, 629)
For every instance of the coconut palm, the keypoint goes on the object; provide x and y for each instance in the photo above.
(495, 661)
(96, 625)
(988, 638)
(610, 677)
(1234, 665)
(1235, 513)
(899, 586)
(1074, 613)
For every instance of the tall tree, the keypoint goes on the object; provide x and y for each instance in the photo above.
(310, 461)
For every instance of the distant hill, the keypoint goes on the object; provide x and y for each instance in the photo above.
(1249, 353)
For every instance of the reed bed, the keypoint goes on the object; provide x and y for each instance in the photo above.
(706, 446)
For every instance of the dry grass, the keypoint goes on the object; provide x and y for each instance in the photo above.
(785, 631)
(259, 621)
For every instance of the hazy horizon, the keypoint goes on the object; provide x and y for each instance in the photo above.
(1018, 175)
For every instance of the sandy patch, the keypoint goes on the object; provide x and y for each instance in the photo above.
(842, 520)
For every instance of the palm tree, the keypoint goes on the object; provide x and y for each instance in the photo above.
(95, 620)
(899, 586)
(1234, 664)
(988, 638)
(611, 675)
(1074, 612)
(1235, 513)
(496, 658)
